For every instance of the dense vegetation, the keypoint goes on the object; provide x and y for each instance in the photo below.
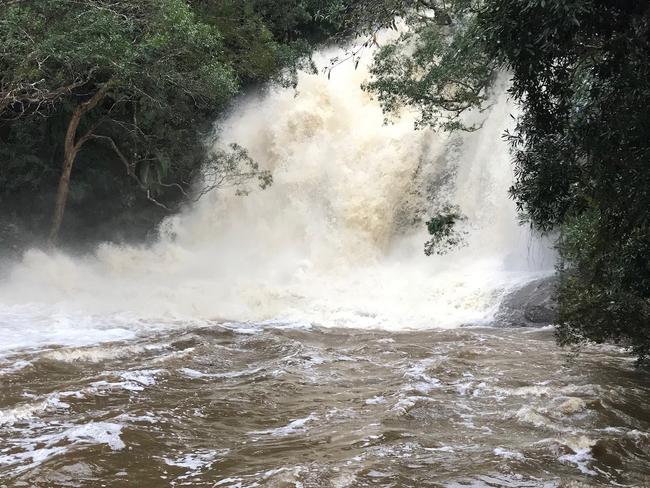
(580, 72)
(105, 105)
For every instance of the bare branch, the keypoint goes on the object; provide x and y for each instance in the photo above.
(130, 169)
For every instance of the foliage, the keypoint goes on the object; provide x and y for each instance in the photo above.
(582, 147)
(167, 69)
(580, 72)
(437, 66)
(148, 48)
(145, 70)
(231, 167)
(267, 39)
(444, 232)
(604, 286)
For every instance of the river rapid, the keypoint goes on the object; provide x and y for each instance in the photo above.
(279, 405)
(298, 337)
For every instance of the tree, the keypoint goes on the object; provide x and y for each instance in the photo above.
(445, 72)
(127, 74)
(580, 71)
(582, 146)
(163, 72)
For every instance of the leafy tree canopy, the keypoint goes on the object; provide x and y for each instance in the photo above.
(129, 89)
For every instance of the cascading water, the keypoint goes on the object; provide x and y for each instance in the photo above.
(298, 336)
(336, 241)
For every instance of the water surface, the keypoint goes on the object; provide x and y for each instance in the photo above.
(244, 405)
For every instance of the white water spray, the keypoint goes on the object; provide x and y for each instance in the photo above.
(336, 241)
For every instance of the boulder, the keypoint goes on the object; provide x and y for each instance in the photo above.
(532, 305)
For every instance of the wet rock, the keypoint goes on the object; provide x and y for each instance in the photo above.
(532, 305)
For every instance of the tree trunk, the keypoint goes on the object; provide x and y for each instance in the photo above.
(71, 148)
(69, 155)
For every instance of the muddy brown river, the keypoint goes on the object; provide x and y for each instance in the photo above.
(255, 405)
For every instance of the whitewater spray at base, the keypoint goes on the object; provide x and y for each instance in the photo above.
(337, 240)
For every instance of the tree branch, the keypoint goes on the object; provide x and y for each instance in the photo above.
(130, 169)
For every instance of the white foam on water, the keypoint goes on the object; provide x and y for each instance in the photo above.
(581, 458)
(195, 462)
(572, 405)
(32, 325)
(96, 354)
(332, 242)
(14, 367)
(144, 377)
(148, 419)
(133, 381)
(193, 373)
(406, 402)
(293, 427)
(97, 433)
(21, 413)
(30, 452)
(377, 400)
(440, 449)
(423, 382)
(504, 453)
(580, 447)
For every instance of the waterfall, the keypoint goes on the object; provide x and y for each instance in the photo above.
(337, 240)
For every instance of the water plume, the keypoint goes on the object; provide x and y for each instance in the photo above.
(337, 240)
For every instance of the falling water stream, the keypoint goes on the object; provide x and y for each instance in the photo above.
(299, 337)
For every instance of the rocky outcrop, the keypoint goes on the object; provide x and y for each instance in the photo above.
(532, 305)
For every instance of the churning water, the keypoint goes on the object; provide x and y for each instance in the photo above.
(338, 238)
(299, 337)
